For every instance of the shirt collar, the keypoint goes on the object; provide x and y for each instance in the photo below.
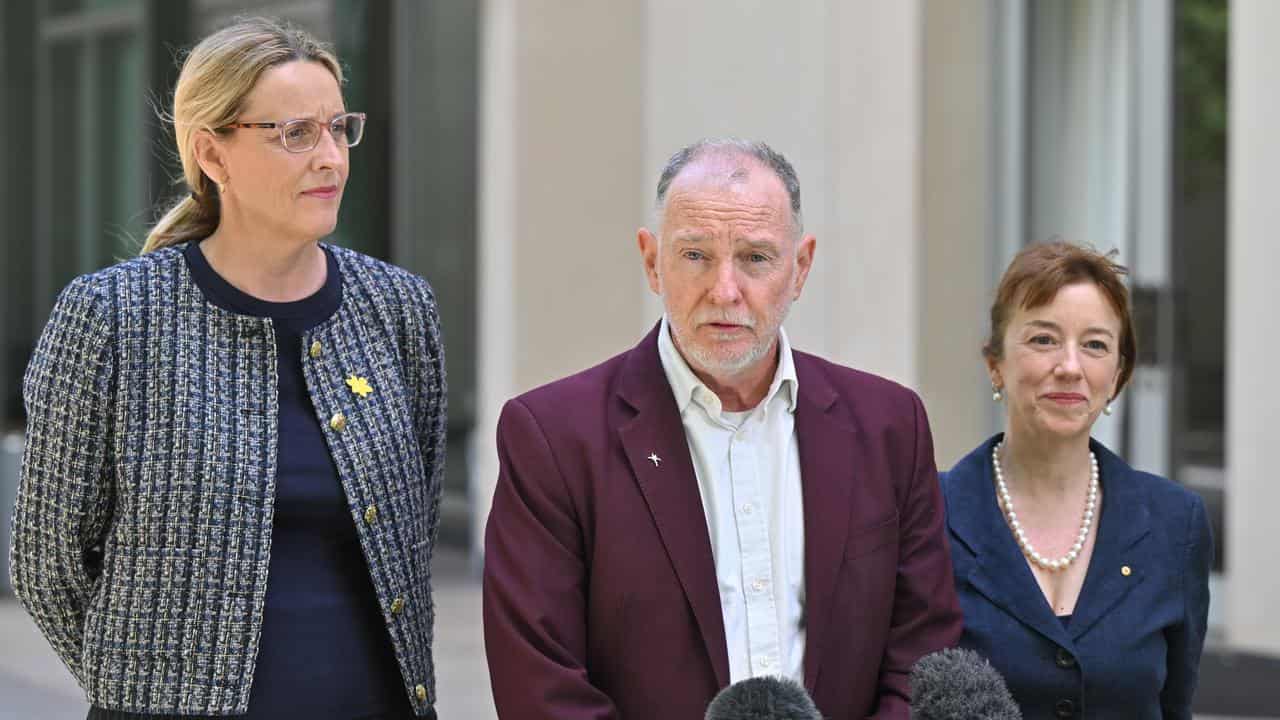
(687, 387)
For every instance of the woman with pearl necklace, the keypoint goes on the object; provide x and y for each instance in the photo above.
(1082, 580)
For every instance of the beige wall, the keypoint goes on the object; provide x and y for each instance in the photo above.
(756, 70)
(957, 223)
(1253, 326)
(560, 144)
(835, 86)
(581, 106)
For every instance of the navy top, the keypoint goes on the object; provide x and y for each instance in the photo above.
(324, 650)
(1131, 647)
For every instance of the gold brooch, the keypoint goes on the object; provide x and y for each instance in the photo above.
(359, 385)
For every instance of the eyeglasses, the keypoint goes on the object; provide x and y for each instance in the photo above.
(299, 136)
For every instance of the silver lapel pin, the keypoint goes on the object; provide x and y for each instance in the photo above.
(654, 457)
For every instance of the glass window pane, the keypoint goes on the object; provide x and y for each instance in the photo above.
(62, 154)
(357, 228)
(1199, 231)
(62, 7)
(120, 138)
(1200, 220)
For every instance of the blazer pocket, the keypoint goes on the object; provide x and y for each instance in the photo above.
(872, 537)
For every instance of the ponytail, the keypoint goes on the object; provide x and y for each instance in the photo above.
(189, 219)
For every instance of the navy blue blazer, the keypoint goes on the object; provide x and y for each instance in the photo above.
(1132, 647)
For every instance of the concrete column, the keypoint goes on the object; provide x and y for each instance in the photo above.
(758, 70)
(873, 135)
(959, 111)
(834, 86)
(560, 144)
(1253, 326)
(581, 104)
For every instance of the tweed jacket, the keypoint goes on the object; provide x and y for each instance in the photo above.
(152, 432)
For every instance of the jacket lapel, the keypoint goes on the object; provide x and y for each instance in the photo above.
(999, 572)
(826, 461)
(1123, 531)
(670, 489)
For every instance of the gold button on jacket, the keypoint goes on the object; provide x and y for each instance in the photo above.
(370, 514)
(397, 606)
(338, 422)
(315, 349)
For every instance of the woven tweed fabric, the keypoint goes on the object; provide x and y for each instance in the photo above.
(152, 429)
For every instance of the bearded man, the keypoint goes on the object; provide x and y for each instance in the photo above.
(712, 505)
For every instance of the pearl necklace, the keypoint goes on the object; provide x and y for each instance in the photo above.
(1006, 503)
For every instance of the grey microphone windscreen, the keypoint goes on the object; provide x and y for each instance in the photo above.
(763, 698)
(956, 684)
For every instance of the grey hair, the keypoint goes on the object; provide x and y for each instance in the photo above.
(758, 151)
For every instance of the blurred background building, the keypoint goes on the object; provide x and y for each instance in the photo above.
(514, 145)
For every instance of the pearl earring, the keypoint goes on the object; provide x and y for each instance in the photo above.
(996, 395)
(1107, 410)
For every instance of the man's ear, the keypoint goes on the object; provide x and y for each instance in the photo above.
(804, 262)
(648, 244)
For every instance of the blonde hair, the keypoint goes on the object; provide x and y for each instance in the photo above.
(216, 78)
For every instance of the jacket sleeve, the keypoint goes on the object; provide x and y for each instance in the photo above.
(66, 485)
(926, 613)
(431, 400)
(1186, 639)
(535, 584)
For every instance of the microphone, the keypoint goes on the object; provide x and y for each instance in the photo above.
(763, 698)
(957, 684)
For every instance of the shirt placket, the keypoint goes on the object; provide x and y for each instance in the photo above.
(752, 523)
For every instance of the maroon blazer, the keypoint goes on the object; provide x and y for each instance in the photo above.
(600, 595)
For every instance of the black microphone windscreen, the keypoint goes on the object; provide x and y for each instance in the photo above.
(763, 698)
(957, 684)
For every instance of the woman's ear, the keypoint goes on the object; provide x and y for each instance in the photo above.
(211, 157)
(1115, 382)
(993, 372)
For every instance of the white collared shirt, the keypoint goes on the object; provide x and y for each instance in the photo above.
(748, 470)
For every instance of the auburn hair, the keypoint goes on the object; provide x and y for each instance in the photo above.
(1034, 278)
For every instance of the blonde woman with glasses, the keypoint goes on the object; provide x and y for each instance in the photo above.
(231, 486)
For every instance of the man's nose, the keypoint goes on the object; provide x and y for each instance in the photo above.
(726, 290)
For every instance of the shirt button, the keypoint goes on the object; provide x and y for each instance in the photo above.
(759, 584)
(1064, 709)
(1064, 659)
(338, 422)
(748, 509)
(315, 349)
(397, 606)
(420, 692)
(766, 662)
(370, 514)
